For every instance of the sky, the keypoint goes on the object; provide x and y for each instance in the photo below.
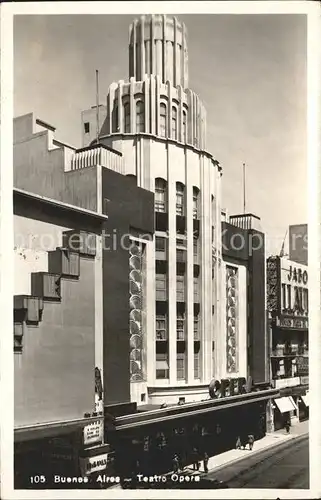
(249, 71)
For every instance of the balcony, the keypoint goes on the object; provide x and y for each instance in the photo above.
(98, 155)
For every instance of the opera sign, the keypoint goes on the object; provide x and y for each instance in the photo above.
(229, 387)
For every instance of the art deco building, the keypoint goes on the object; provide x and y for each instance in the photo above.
(159, 125)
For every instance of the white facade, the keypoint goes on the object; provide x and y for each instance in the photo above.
(159, 126)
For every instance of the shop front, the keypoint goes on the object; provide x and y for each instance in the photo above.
(147, 442)
(61, 456)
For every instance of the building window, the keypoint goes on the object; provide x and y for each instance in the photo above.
(180, 327)
(196, 328)
(174, 123)
(179, 198)
(115, 125)
(160, 195)
(160, 247)
(195, 248)
(180, 255)
(197, 365)
(126, 118)
(195, 202)
(87, 127)
(162, 368)
(163, 121)
(196, 290)
(161, 327)
(180, 288)
(160, 286)
(181, 366)
(140, 117)
(184, 131)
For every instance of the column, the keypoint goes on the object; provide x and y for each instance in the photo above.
(171, 266)
(189, 272)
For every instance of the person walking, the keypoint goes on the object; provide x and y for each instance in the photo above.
(287, 427)
(196, 464)
(205, 462)
(238, 443)
(175, 463)
(251, 441)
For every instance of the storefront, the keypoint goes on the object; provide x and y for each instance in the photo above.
(149, 440)
(61, 456)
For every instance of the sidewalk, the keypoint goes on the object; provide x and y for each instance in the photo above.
(269, 440)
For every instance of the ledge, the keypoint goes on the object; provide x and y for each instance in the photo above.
(21, 194)
(51, 429)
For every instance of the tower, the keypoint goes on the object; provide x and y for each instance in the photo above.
(159, 126)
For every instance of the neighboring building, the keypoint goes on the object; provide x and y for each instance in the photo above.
(288, 308)
(298, 243)
(81, 254)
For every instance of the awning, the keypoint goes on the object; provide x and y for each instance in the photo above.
(305, 399)
(285, 404)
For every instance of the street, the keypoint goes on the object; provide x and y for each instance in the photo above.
(284, 466)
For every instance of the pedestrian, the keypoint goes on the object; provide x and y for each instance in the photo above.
(196, 464)
(175, 463)
(251, 441)
(238, 443)
(287, 427)
(244, 441)
(205, 462)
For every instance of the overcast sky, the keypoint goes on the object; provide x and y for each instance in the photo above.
(249, 70)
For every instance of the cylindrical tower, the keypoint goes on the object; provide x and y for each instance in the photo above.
(157, 46)
(159, 125)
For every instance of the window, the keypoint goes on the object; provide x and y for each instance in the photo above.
(180, 288)
(180, 255)
(195, 248)
(163, 120)
(197, 365)
(126, 118)
(196, 290)
(195, 202)
(180, 327)
(181, 243)
(162, 368)
(160, 286)
(174, 123)
(115, 119)
(87, 127)
(160, 195)
(196, 328)
(180, 366)
(161, 327)
(160, 244)
(184, 136)
(140, 117)
(179, 198)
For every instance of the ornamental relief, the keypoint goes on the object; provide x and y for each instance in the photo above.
(231, 318)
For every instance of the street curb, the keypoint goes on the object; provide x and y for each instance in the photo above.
(255, 452)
